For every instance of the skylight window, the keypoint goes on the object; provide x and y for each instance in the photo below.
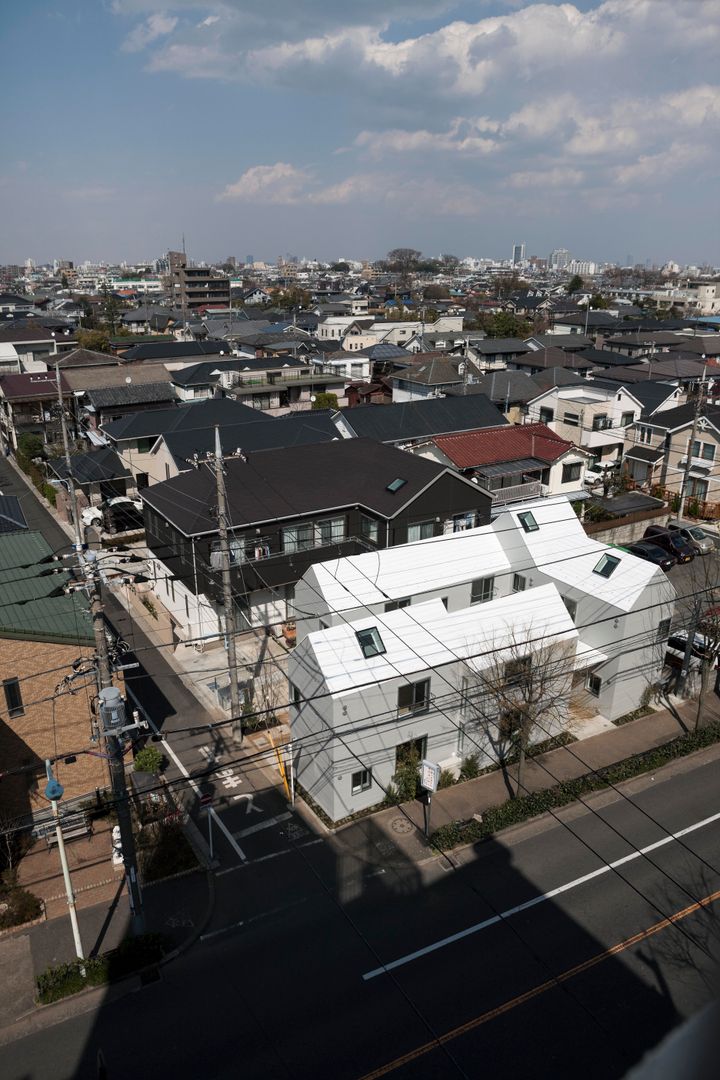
(370, 642)
(396, 484)
(607, 566)
(528, 522)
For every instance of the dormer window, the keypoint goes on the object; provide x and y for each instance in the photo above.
(370, 642)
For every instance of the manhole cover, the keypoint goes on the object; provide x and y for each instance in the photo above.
(402, 825)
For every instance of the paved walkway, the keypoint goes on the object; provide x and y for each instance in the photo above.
(402, 826)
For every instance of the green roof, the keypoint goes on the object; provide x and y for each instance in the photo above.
(27, 611)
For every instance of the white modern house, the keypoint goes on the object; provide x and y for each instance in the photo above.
(594, 417)
(385, 640)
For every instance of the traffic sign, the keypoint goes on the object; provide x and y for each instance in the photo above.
(206, 800)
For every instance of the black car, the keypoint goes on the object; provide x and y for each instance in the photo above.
(672, 542)
(652, 553)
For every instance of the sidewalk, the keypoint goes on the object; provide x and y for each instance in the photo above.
(390, 835)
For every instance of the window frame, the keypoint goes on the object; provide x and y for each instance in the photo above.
(516, 585)
(593, 684)
(370, 642)
(483, 581)
(13, 693)
(360, 781)
(571, 471)
(528, 522)
(420, 702)
(421, 525)
(608, 563)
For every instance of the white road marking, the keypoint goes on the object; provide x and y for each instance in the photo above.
(262, 825)
(495, 919)
(264, 858)
(250, 807)
(193, 784)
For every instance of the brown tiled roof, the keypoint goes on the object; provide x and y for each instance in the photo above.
(31, 384)
(510, 443)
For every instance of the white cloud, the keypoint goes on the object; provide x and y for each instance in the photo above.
(559, 177)
(91, 194)
(154, 27)
(278, 183)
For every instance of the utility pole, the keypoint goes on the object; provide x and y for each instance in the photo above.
(230, 625)
(68, 462)
(688, 462)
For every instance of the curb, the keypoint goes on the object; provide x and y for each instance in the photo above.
(57, 1012)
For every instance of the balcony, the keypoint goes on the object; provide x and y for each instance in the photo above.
(517, 492)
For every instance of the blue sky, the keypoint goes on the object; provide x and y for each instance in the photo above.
(326, 130)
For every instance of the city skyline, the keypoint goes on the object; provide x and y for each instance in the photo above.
(591, 126)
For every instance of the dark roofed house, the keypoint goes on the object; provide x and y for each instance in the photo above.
(83, 358)
(417, 421)
(174, 350)
(29, 405)
(12, 518)
(290, 508)
(105, 403)
(100, 474)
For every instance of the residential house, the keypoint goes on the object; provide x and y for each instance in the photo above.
(99, 475)
(29, 406)
(443, 609)
(281, 385)
(514, 462)
(176, 354)
(594, 417)
(134, 437)
(102, 394)
(42, 632)
(490, 354)
(36, 347)
(431, 375)
(656, 452)
(509, 391)
(289, 508)
(415, 423)
(355, 367)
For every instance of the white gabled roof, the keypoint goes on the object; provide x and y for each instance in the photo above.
(426, 636)
(560, 548)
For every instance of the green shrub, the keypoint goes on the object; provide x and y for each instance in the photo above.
(17, 905)
(131, 955)
(407, 777)
(470, 767)
(446, 779)
(515, 811)
(149, 760)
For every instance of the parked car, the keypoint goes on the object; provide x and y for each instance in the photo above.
(652, 553)
(702, 648)
(697, 538)
(671, 541)
(121, 508)
(599, 473)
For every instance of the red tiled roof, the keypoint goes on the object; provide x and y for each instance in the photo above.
(492, 445)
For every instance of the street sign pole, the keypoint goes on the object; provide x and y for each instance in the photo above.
(426, 813)
(429, 779)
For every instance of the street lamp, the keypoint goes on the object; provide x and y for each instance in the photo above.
(54, 791)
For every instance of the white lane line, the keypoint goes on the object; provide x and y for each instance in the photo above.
(193, 784)
(264, 858)
(262, 825)
(495, 919)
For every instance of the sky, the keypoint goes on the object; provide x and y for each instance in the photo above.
(332, 130)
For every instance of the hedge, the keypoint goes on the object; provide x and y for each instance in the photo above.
(131, 955)
(515, 811)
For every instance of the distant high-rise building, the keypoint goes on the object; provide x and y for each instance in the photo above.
(249, 260)
(231, 261)
(518, 254)
(195, 286)
(558, 259)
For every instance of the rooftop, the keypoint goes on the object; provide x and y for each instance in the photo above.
(28, 612)
(472, 449)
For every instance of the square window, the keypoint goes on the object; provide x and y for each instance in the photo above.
(519, 583)
(528, 522)
(395, 605)
(571, 471)
(370, 642)
(482, 590)
(414, 697)
(594, 685)
(572, 419)
(607, 566)
(546, 415)
(13, 697)
(361, 781)
(663, 630)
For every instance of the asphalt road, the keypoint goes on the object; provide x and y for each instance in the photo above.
(291, 980)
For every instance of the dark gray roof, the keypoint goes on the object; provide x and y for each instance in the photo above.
(86, 358)
(674, 418)
(668, 371)
(438, 371)
(418, 419)
(130, 394)
(280, 484)
(142, 425)
(644, 453)
(99, 465)
(604, 358)
(500, 345)
(569, 342)
(649, 394)
(557, 376)
(512, 386)
(12, 518)
(550, 356)
(175, 350)
(299, 429)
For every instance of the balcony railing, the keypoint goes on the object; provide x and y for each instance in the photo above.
(517, 492)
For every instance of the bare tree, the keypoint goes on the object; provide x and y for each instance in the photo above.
(524, 691)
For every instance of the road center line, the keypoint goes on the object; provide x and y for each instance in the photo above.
(193, 784)
(495, 919)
